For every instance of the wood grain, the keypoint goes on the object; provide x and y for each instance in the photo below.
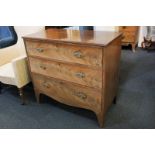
(82, 37)
(111, 74)
(77, 68)
(128, 28)
(69, 53)
(82, 75)
(111, 63)
(68, 93)
(130, 35)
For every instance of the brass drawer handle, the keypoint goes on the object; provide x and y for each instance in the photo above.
(78, 54)
(43, 67)
(46, 85)
(40, 50)
(81, 95)
(80, 75)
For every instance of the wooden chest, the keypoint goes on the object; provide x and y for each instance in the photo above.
(77, 68)
(130, 35)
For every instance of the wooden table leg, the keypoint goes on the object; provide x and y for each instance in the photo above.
(100, 118)
(115, 100)
(133, 47)
(37, 94)
(21, 94)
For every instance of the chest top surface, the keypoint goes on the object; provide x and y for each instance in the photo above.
(88, 37)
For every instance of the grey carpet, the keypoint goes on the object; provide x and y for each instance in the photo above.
(135, 108)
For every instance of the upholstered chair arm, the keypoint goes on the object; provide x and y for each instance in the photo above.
(7, 54)
(21, 71)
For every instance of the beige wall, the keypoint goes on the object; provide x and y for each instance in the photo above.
(9, 53)
(105, 28)
(25, 30)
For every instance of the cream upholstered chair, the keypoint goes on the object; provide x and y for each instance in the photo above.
(13, 61)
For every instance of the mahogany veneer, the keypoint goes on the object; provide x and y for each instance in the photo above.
(77, 68)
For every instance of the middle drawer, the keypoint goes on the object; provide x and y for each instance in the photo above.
(73, 73)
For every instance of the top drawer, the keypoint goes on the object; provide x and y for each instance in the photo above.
(64, 52)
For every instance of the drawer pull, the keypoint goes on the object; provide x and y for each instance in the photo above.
(46, 85)
(40, 50)
(80, 75)
(78, 54)
(43, 67)
(81, 95)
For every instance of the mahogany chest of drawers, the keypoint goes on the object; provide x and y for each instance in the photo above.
(77, 68)
(130, 35)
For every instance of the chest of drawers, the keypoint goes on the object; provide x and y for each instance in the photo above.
(77, 68)
(130, 35)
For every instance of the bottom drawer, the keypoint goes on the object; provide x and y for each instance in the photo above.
(68, 93)
(128, 37)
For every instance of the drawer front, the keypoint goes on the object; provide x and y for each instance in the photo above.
(68, 93)
(74, 73)
(128, 28)
(64, 52)
(128, 37)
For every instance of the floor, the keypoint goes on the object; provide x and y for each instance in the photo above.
(135, 108)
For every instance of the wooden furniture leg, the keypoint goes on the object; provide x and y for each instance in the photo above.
(21, 94)
(133, 47)
(115, 99)
(101, 118)
(37, 94)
